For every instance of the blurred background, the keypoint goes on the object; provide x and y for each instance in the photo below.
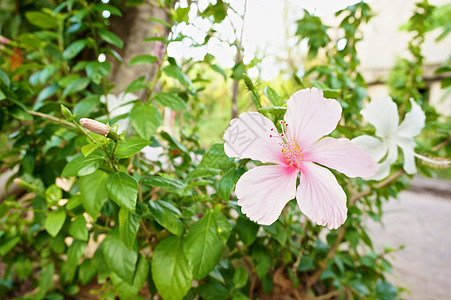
(399, 48)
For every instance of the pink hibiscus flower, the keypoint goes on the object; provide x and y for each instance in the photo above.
(265, 190)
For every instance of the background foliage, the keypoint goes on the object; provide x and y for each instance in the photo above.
(99, 219)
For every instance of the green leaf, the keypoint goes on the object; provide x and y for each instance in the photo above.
(219, 70)
(170, 269)
(238, 71)
(136, 85)
(89, 148)
(8, 245)
(76, 86)
(203, 245)
(176, 72)
(168, 184)
(18, 113)
(240, 277)
(170, 100)
(130, 147)
(278, 232)
(215, 157)
(174, 143)
(74, 253)
(227, 184)
(202, 172)
(128, 227)
(82, 166)
(4, 78)
(306, 263)
(46, 93)
(261, 259)
(41, 19)
(385, 290)
(78, 229)
(73, 49)
(53, 194)
(247, 230)
(162, 22)
(87, 271)
(93, 192)
(145, 119)
(273, 96)
(122, 189)
(331, 94)
(97, 70)
(359, 286)
(113, 10)
(118, 257)
(111, 38)
(126, 290)
(224, 226)
(142, 59)
(213, 290)
(55, 221)
(446, 82)
(167, 216)
(75, 201)
(46, 280)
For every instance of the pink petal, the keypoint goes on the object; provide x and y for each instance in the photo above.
(320, 197)
(343, 156)
(263, 192)
(310, 116)
(248, 136)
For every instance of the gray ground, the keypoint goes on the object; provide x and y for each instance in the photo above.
(420, 220)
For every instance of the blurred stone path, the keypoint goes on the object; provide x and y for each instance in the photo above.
(421, 221)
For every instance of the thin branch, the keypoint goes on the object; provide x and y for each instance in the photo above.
(237, 60)
(330, 295)
(46, 116)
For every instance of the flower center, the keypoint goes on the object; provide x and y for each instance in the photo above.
(291, 150)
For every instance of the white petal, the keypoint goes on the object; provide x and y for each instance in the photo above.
(127, 97)
(320, 197)
(111, 102)
(382, 113)
(264, 191)
(248, 136)
(413, 121)
(310, 116)
(375, 147)
(407, 145)
(384, 167)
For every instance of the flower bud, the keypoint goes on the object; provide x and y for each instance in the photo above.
(95, 126)
(66, 113)
(4, 40)
(248, 82)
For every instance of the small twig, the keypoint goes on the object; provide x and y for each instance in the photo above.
(441, 145)
(330, 295)
(46, 116)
